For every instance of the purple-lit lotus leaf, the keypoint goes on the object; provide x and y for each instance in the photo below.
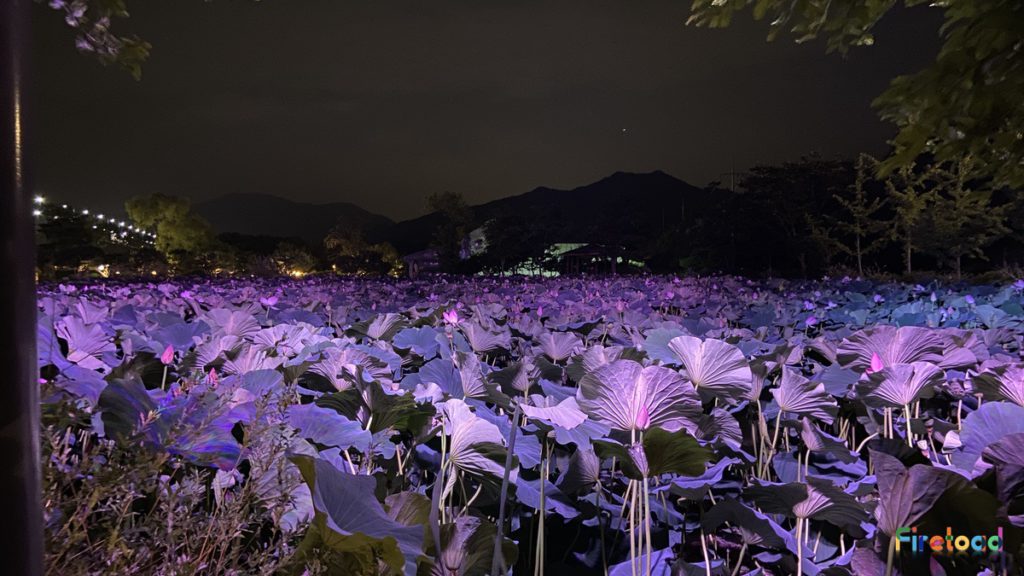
(477, 446)
(905, 495)
(88, 345)
(713, 366)
(473, 382)
(1007, 459)
(614, 393)
(755, 528)
(900, 385)
(796, 394)
(819, 442)
(1004, 382)
(381, 327)
(338, 366)
(224, 322)
(555, 501)
(420, 341)
(483, 341)
(327, 428)
(516, 379)
(719, 424)
(696, 486)
(984, 427)
(565, 414)
(892, 346)
(583, 472)
(559, 346)
(817, 499)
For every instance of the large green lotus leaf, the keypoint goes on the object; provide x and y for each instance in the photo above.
(351, 517)
(467, 549)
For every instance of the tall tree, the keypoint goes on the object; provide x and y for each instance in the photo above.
(910, 192)
(456, 217)
(966, 103)
(177, 228)
(963, 220)
(861, 221)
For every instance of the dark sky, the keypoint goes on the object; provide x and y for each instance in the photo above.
(382, 102)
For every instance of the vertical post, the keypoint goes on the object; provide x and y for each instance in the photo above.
(21, 549)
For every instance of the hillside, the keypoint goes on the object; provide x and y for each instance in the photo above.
(275, 216)
(621, 208)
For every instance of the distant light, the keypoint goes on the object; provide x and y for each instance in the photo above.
(85, 212)
(100, 216)
(121, 224)
(39, 199)
(37, 212)
(64, 206)
(94, 227)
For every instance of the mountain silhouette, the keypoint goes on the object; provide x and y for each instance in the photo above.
(625, 208)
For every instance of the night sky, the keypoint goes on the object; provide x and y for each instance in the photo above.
(382, 102)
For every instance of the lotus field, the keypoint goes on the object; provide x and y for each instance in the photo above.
(469, 426)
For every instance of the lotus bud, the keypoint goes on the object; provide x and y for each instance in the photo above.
(876, 364)
(643, 418)
(168, 356)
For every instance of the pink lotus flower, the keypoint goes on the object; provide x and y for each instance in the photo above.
(269, 302)
(876, 364)
(214, 379)
(450, 317)
(168, 356)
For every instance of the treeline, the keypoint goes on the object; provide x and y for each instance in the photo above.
(799, 219)
(820, 216)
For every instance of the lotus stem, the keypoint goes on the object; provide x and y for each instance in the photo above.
(497, 558)
(890, 556)
(704, 550)
(398, 456)
(739, 560)
(538, 566)
(865, 441)
(163, 382)
(799, 546)
(440, 476)
(632, 529)
(906, 414)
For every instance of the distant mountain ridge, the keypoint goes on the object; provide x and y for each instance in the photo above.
(623, 207)
(619, 207)
(268, 215)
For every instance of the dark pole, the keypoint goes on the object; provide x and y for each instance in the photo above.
(21, 548)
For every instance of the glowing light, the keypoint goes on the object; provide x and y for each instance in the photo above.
(121, 223)
(39, 199)
(85, 212)
(64, 206)
(100, 216)
(37, 212)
